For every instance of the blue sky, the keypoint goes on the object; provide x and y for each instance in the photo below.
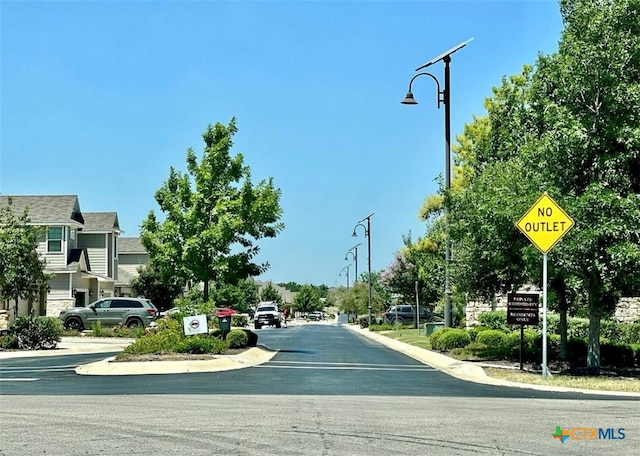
(99, 99)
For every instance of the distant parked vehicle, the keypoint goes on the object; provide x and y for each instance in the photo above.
(404, 314)
(129, 312)
(224, 312)
(316, 316)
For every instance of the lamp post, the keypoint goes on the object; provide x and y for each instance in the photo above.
(355, 258)
(444, 97)
(367, 234)
(346, 268)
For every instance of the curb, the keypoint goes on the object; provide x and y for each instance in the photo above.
(252, 357)
(467, 371)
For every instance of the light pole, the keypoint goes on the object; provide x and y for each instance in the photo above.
(355, 258)
(346, 268)
(444, 97)
(367, 234)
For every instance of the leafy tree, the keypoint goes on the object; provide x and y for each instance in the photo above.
(587, 100)
(22, 273)
(213, 215)
(307, 300)
(269, 293)
(152, 285)
(238, 297)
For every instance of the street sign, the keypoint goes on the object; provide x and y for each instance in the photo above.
(196, 324)
(522, 308)
(545, 223)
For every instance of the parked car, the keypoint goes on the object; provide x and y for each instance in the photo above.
(224, 312)
(403, 314)
(129, 312)
(316, 316)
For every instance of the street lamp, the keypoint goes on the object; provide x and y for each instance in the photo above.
(444, 97)
(355, 258)
(346, 268)
(367, 234)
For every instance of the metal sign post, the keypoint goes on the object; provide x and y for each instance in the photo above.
(545, 224)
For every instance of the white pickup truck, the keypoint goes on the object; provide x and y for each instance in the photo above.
(267, 313)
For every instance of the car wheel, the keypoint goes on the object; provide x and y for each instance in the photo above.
(74, 324)
(278, 325)
(135, 323)
(398, 321)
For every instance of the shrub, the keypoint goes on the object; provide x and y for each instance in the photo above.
(239, 321)
(473, 332)
(616, 355)
(10, 341)
(96, 328)
(201, 344)
(492, 338)
(434, 338)
(496, 319)
(497, 344)
(454, 338)
(612, 330)
(578, 328)
(34, 332)
(577, 351)
(363, 321)
(630, 333)
(252, 338)
(237, 339)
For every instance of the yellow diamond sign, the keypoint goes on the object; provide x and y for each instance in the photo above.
(545, 223)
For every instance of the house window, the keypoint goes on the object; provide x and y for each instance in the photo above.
(54, 239)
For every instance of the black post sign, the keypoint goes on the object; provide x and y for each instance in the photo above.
(522, 308)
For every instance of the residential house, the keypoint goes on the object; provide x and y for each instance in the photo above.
(131, 257)
(80, 251)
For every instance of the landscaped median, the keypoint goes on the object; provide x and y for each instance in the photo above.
(212, 363)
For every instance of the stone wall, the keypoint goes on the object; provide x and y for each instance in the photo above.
(54, 307)
(627, 310)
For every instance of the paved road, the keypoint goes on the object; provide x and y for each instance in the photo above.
(311, 360)
(327, 392)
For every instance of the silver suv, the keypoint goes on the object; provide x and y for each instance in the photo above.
(129, 312)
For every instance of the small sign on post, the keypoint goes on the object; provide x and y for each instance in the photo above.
(196, 324)
(522, 309)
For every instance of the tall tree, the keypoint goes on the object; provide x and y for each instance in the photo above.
(307, 300)
(269, 293)
(213, 216)
(587, 97)
(22, 273)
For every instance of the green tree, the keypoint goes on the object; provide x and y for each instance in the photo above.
(22, 273)
(307, 300)
(213, 216)
(154, 286)
(587, 100)
(269, 293)
(238, 297)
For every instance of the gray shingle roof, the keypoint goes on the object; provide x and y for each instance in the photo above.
(46, 209)
(101, 222)
(130, 245)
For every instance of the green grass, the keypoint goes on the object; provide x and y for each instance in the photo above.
(621, 384)
(631, 385)
(410, 336)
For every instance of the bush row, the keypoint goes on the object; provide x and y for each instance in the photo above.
(33, 332)
(170, 338)
(490, 343)
(577, 328)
